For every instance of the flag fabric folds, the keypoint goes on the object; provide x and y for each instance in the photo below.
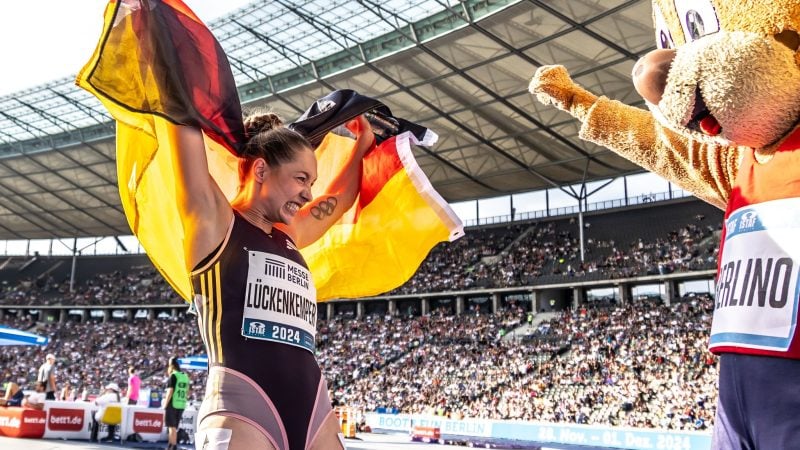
(341, 105)
(397, 218)
(157, 66)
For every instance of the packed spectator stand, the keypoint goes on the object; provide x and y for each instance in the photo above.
(93, 353)
(100, 281)
(642, 363)
(633, 242)
(677, 237)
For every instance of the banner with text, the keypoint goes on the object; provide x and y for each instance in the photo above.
(539, 432)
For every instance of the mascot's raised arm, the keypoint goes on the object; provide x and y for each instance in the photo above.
(725, 75)
(723, 93)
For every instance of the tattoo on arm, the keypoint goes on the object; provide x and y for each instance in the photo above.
(324, 208)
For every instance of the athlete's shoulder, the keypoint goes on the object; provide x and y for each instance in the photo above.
(281, 236)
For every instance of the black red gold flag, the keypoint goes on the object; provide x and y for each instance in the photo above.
(158, 66)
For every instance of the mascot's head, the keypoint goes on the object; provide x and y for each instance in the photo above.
(725, 71)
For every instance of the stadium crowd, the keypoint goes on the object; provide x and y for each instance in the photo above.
(638, 364)
(543, 253)
(91, 354)
(641, 364)
(139, 286)
(494, 257)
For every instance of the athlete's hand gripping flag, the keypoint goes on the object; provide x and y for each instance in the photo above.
(156, 66)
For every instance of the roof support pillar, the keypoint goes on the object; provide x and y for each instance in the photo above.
(74, 263)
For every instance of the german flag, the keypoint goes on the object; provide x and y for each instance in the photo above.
(157, 66)
(381, 241)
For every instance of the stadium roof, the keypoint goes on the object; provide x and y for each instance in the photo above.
(460, 67)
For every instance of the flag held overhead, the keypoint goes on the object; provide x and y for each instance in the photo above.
(157, 66)
(398, 216)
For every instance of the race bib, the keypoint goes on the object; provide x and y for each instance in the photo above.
(757, 285)
(280, 302)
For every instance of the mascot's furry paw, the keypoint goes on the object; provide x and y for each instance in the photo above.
(552, 85)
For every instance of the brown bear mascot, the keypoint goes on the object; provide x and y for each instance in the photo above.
(723, 91)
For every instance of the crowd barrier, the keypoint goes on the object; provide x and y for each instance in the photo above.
(73, 420)
(540, 432)
(68, 420)
(22, 423)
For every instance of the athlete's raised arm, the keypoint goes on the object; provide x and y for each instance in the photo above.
(317, 216)
(204, 210)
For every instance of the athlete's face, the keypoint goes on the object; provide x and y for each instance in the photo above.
(287, 188)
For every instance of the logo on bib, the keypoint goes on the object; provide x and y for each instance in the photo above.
(274, 268)
(257, 328)
(748, 220)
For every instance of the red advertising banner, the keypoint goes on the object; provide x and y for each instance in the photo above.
(146, 422)
(22, 422)
(65, 419)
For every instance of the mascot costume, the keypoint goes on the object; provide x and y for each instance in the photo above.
(723, 92)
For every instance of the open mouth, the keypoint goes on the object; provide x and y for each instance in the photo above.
(293, 207)
(702, 120)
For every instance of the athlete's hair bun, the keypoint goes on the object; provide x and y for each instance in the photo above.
(260, 122)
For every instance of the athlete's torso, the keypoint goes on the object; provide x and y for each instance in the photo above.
(257, 312)
(757, 281)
